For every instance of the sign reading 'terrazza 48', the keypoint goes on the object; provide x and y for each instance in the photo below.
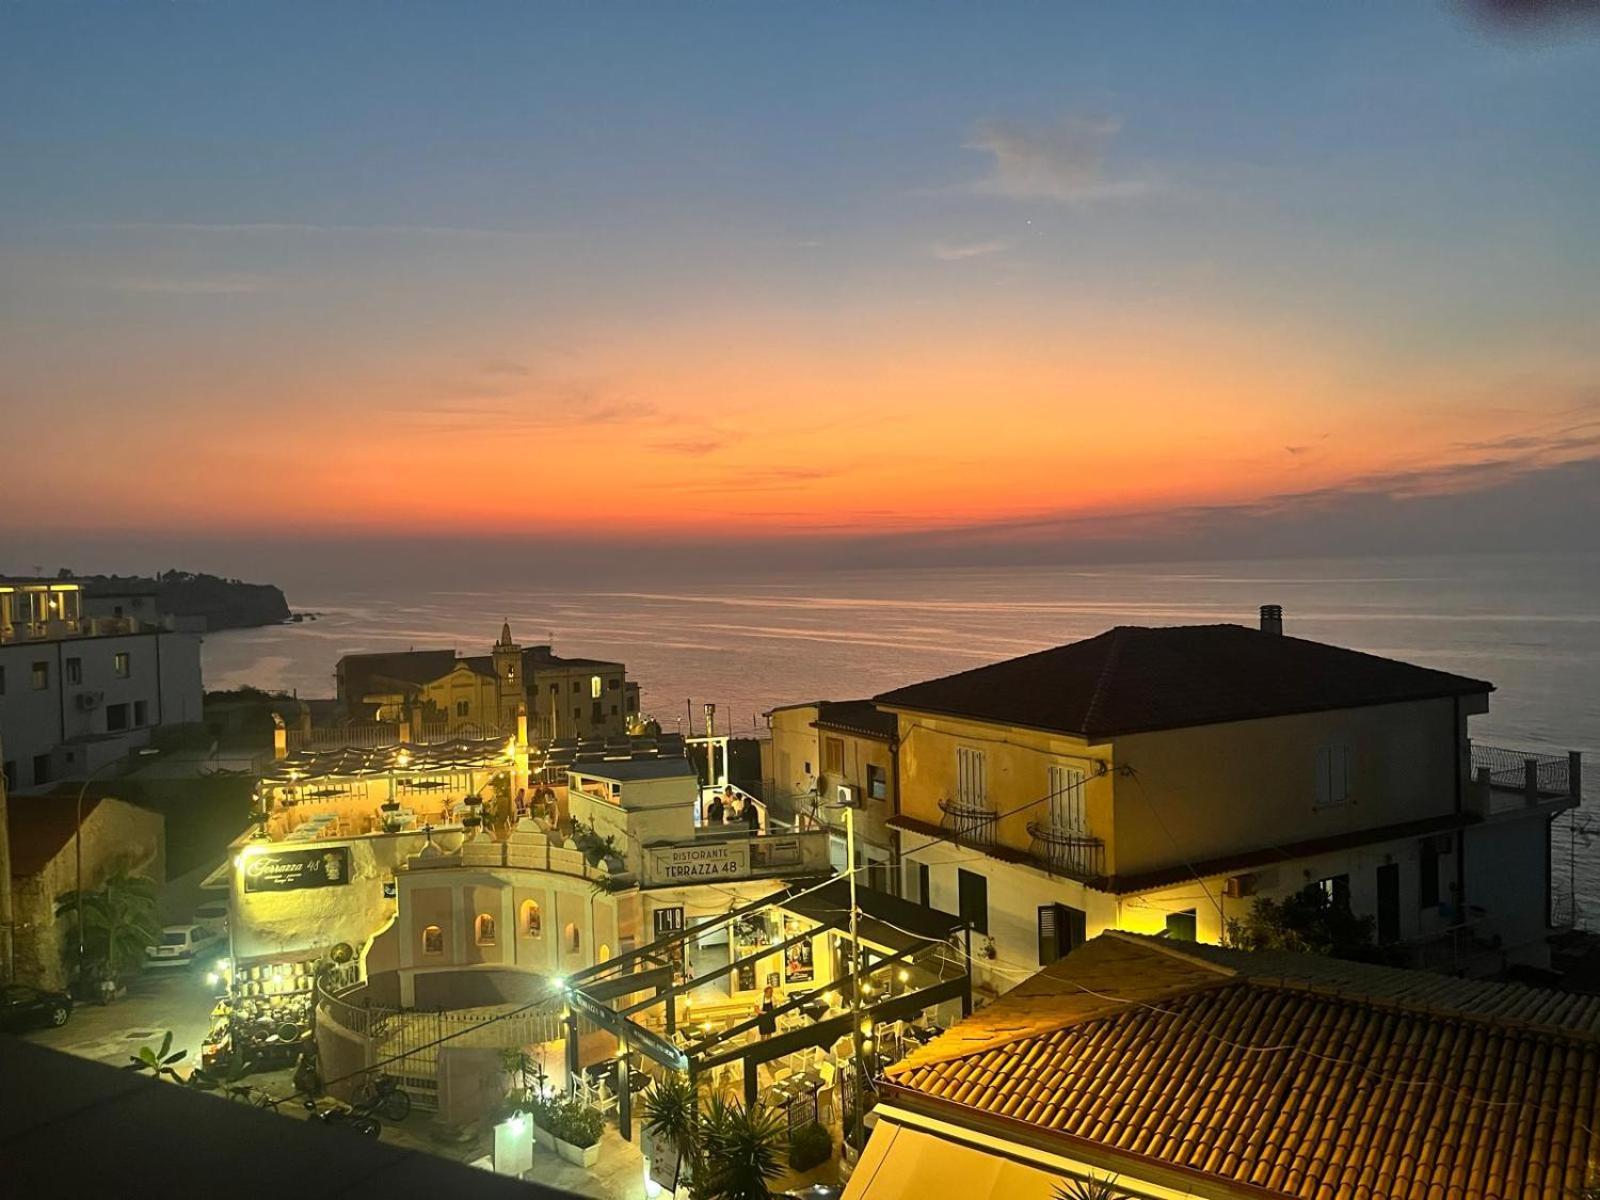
(290, 870)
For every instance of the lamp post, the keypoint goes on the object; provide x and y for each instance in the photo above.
(77, 844)
(858, 1036)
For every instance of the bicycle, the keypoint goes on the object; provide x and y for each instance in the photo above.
(383, 1095)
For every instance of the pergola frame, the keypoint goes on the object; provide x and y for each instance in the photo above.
(591, 990)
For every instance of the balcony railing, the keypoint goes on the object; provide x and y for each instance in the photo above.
(1064, 851)
(970, 822)
(1510, 778)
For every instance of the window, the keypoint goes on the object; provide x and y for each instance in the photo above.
(595, 714)
(2, 681)
(572, 937)
(41, 769)
(74, 670)
(116, 718)
(463, 708)
(924, 885)
(1066, 800)
(1333, 775)
(1337, 889)
(594, 687)
(577, 714)
(614, 711)
(614, 683)
(1181, 926)
(483, 930)
(529, 920)
(141, 714)
(974, 893)
(41, 676)
(120, 665)
(1428, 874)
(1062, 928)
(833, 756)
(433, 940)
(972, 782)
(10, 771)
(575, 687)
(554, 688)
(877, 782)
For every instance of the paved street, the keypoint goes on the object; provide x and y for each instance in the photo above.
(174, 998)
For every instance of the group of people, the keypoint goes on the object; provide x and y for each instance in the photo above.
(728, 809)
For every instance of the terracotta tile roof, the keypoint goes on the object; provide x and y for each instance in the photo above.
(1318, 1081)
(41, 827)
(1131, 679)
(861, 717)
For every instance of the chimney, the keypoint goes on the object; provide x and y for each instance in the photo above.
(1272, 618)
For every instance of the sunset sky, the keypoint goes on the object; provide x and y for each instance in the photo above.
(824, 272)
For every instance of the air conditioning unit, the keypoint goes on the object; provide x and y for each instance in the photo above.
(1236, 887)
(88, 701)
(847, 796)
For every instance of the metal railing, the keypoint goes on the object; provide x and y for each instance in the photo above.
(1063, 851)
(969, 822)
(1510, 770)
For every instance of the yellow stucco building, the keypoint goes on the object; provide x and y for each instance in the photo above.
(1158, 780)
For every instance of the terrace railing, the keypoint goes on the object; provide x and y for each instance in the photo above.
(970, 822)
(1064, 851)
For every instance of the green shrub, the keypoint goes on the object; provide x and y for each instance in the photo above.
(810, 1145)
(572, 1121)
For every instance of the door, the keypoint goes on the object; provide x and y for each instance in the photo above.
(1389, 903)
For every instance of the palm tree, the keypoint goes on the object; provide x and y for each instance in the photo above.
(120, 919)
(741, 1149)
(671, 1112)
(1092, 1188)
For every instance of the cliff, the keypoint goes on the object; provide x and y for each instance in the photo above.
(224, 603)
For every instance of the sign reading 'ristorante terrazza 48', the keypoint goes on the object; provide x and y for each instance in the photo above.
(290, 870)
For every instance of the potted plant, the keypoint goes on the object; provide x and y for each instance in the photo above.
(810, 1146)
(742, 1149)
(577, 1129)
(541, 1110)
(670, 1112)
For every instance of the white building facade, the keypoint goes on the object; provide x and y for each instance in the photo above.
(80, 691)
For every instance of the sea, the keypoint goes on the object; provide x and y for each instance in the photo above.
(1529, 623)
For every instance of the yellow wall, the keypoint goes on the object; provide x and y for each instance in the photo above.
(463, 683)
(1017, 763)
(1219, 789)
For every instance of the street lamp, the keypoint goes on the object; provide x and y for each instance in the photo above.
(862, 1043)
(77, 841)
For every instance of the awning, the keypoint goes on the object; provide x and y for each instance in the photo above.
(884, 920)
(900, 1161)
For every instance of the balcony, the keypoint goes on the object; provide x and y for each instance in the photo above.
(1069, 852)
(972, 823)
(1504, 780)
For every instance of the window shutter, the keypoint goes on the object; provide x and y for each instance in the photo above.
(1049, 944)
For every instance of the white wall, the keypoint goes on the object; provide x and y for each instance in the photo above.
(163, 673)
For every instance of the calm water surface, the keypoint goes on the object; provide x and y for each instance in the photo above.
(1529, 624)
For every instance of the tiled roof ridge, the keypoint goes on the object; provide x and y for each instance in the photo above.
(1350, 995)
(1117, 1008)
(1108, 665)
(1350, 988)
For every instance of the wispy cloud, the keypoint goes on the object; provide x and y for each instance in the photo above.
(1065, 162)
(956, 251)
(215, 285)
(272, 228)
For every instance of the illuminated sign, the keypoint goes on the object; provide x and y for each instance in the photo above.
(292, 870)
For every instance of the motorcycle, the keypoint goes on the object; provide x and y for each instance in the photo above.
(340, 1117)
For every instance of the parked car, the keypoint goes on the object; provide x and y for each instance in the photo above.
(23, 1007)
(213, 917)
(179, 945)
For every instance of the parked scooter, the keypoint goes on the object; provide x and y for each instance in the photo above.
(341, 1117)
